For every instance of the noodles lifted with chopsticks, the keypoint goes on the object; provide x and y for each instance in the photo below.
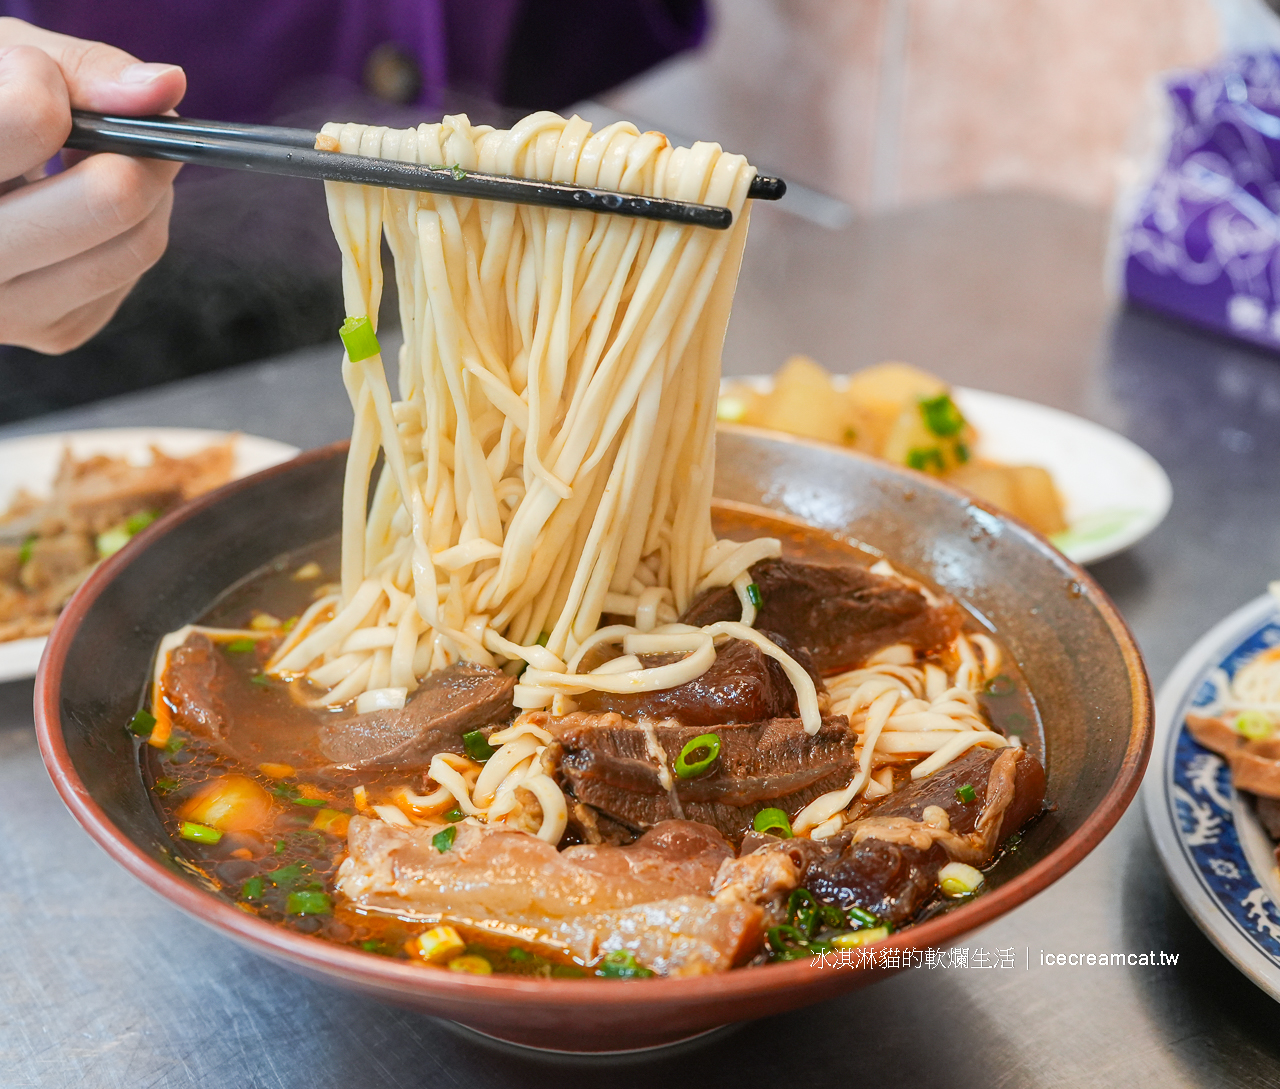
(548, 457)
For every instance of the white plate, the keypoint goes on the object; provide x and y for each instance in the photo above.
(31, 462)
(1115, 493)
(1213, 848)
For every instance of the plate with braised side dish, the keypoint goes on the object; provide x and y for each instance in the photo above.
(1212, 793)
(1092, 492)
(69, 500)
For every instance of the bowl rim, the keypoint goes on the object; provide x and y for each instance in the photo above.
(382, 974)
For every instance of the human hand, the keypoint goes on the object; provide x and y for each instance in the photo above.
(73, 245)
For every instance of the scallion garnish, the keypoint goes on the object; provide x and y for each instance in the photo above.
(941, 415)
(307, 902)
(27, 550)
(1254, 725)
(697, 756)
(925, 459)
(622, 964)
(242, 646)
(280, 846)
(443, 840)
(199, 833)
(772, 822)
(252, 889)
(173, 745)
(359, 339)
(477, 747)
(142, 723)
(966, 793)
(261, 680)
(165, 785)
(453, 815)
(786, 943)
(862, 917)
(458, 172)
(136, 523)
(753, 594)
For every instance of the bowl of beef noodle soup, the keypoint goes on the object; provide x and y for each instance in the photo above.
(545, 707)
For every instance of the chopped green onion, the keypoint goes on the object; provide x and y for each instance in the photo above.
(443, 840)
(458, 172)
(307, 902)
(689, 764)
(802, 912)
(772, 822)
(966, 793)
(1254, 725)
(832, 916)
(753, 594)
(941, 415)
(922, 457)
(566, 971)
(862, 917)
(359, 339)
(142, 723)
(252, 889)
(962, 453)
(27, 550)
(261, 679)
(453, 815)
(315, 803)
(198, 833)
(173, 745)
(999, 685)
(519, 955)
(477, 747)
(110, 541)
(242, 646)
(958, 879)
(786, 943)
(286, 877)
(622, 964)
(287, 626)
(1013, 842)
(165, 785)
(860, 937)
(136, 523)
(280, 846)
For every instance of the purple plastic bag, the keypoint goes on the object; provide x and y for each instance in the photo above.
(1202, 241)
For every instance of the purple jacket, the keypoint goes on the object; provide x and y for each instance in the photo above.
(253, 60)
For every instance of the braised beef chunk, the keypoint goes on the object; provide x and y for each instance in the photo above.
(197, 681)
(607, 763)
(743, 684)
(839, 616)
(888, 861)
(972, 770)
(890, 880)
(448, 704)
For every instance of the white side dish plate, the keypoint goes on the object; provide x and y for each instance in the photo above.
(31, 462)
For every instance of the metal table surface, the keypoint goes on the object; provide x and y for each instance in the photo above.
(104, 984)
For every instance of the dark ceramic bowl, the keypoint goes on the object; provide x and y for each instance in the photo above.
(1074, 650)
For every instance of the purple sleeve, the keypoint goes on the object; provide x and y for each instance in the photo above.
(255, 59)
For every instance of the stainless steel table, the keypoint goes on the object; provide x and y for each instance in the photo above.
(104, 984)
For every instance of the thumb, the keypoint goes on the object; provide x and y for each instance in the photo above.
(100, 77)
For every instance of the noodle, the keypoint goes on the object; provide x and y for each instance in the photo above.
(546, 458)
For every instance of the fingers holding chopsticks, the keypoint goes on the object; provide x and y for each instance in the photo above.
(71, 245)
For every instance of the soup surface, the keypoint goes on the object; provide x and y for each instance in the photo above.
(245, 778)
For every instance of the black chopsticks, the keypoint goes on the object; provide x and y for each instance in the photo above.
(272, 150)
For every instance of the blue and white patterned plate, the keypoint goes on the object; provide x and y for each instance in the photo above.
(1214, 850)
